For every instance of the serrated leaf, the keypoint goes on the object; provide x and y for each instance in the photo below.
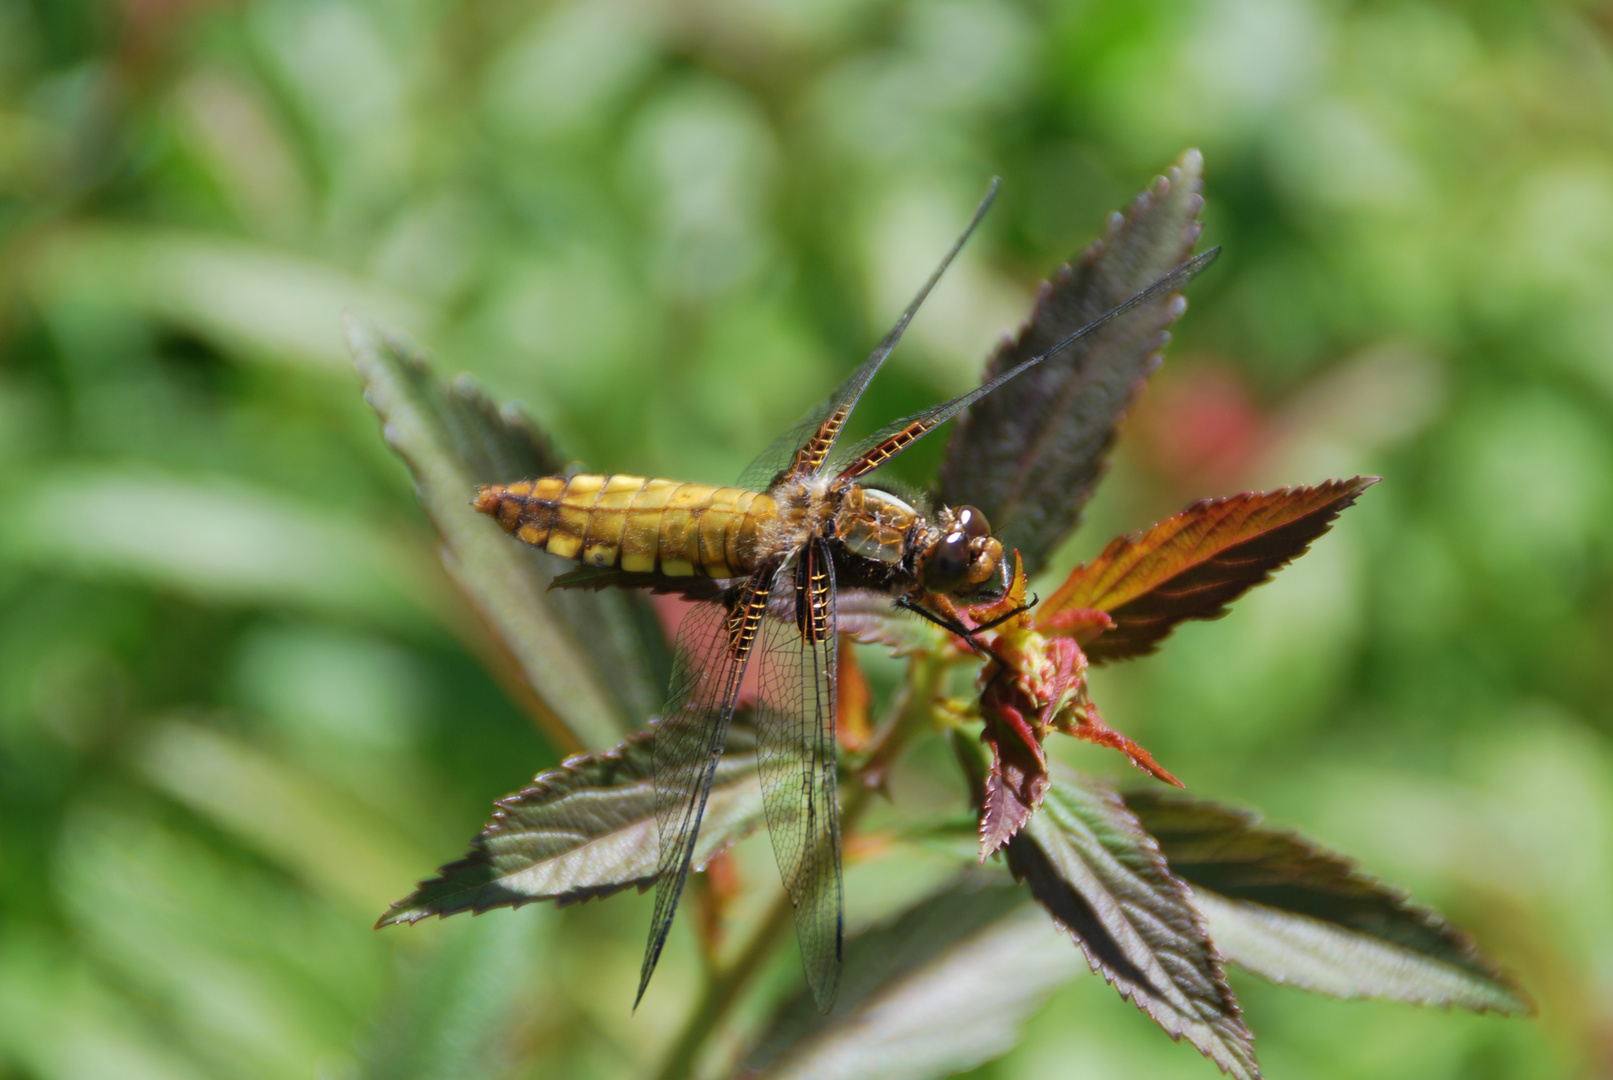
(1030, 454)
(942, 988)
(1299, 914)
(587, 829)
(598, 662)
(1193, 565)
(1101, 876)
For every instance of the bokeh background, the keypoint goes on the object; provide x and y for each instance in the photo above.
(239, 713)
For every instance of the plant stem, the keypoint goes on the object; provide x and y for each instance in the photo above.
(723, 988)
(926, 675)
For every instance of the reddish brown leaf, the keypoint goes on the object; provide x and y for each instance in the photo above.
(1195, 564)
(1017, 781)
(714, 899)
(1025, 687)
(852, 724)
(1089, 725)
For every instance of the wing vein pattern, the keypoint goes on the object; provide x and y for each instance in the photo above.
(714, 646)
(808, 442)
(796, 757)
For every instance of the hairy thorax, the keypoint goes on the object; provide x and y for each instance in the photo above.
(865, 526)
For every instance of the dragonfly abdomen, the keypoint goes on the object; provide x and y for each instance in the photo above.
(637, 524)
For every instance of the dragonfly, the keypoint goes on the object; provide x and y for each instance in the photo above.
(765, 561)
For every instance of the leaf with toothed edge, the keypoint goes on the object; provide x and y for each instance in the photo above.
(1296, 913)
(1090, 863)
(1193, 565)
(598, 662)
(587, 829)
(1030, 454)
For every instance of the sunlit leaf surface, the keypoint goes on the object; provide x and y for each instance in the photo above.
(1030, 454)
(1297, 913)
(1089, 862)
(587, 829)
(942, 988)
(1196, 563)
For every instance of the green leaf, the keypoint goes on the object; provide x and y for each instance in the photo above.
(587, 829)
(253, 300)
(598, 662)
(1297, 913)
(1090, 863)
(1030, 454)
(337, 845)
(218, 542)
(942, 988)
(454, 1014)
(63, 1017)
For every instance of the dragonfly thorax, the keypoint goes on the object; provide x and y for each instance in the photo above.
(954, 553)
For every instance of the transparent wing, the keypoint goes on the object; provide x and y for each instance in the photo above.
(814, 435)
(893, 438)
(713, 647)
(796, 752)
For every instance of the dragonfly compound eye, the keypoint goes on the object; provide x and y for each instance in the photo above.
(972, 522)
(948, 563)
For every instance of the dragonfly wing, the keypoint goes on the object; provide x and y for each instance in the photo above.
(796, 751)
(714, 645)
(808, 442)
(893, 438)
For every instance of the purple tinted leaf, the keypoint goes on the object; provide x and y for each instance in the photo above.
(1101, 876)
(1030, 453)
(587, 829)
(1297, 913)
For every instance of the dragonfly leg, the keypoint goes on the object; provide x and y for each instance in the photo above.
(949, 622)
(999, 620)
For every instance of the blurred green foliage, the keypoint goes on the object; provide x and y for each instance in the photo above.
(241, 708)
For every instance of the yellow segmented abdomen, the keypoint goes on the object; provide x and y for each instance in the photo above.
(640, 525)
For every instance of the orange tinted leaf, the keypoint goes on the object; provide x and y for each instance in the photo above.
(1196, 563)
(853, 726)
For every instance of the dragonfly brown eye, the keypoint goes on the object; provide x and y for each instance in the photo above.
(948, 563)
(972, 522)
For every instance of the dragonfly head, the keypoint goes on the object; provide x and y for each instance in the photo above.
(961, 554)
